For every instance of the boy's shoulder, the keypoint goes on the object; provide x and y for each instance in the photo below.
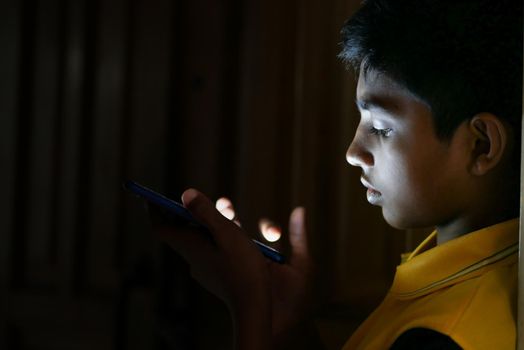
(465, 289)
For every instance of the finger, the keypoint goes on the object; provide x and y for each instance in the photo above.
(223, 203)
(225, 207)
(298, 238)
(204, 211)
(270, 231)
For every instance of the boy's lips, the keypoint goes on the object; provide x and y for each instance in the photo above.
(373, 196)
(366, 184)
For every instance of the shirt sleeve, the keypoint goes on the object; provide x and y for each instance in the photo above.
(424, 339)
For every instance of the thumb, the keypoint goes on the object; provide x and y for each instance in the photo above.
(298, 238)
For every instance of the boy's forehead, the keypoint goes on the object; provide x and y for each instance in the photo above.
(378, 89)
(376, 83)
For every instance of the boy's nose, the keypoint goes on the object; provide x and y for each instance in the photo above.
(357, 155)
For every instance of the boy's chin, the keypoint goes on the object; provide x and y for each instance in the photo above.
(405, 222)
(400, 222)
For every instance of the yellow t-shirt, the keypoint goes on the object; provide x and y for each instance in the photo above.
(465, 288)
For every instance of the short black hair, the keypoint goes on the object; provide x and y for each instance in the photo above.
(461, 57)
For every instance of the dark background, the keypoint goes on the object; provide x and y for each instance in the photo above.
(243, 98)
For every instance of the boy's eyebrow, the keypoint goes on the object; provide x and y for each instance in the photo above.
(374, 103)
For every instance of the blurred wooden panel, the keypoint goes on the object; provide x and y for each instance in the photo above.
(23, 117)
(105, 171)
(69, 131)
(10, 37)
(199, 94)
(41, 141)
(145, 119)
(266, 112)
(45, 322)
(145, 125)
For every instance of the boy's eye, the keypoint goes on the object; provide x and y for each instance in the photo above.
(380, 132)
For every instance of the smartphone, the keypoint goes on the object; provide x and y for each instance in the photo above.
(178, 212)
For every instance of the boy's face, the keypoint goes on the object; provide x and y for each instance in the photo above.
(417, 179)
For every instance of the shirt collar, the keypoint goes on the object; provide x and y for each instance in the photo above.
(427, 269)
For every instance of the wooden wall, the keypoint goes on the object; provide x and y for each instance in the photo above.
(242, 98)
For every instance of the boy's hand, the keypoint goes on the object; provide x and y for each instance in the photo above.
(263, 296)
(229, 264)
(292, 284)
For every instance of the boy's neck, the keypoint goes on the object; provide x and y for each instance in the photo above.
(464, 225)
(497, 200)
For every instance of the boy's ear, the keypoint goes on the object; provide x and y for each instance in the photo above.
(489, 137)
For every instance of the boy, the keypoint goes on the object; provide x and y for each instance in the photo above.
(440, 93)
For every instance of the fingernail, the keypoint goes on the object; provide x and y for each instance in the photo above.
(298, 214)
(228, 213)
(223, 203)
